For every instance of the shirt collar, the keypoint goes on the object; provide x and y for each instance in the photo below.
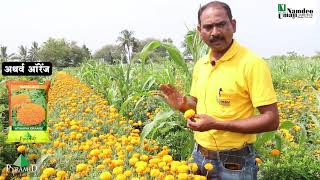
(234, 48)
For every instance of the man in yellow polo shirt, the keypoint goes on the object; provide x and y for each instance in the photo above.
(227, 85)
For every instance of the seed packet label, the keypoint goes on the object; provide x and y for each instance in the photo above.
(28, 112)
(31, 113)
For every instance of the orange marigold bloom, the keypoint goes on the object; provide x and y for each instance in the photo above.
(20, 99)
(275, 152)
(31, 114)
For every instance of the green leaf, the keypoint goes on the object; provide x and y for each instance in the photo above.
(147, 50)
(263, 138)
(149, 127)
(40, 162)
(176, 56)
(315, 120)
(286, 125)
(278, 140)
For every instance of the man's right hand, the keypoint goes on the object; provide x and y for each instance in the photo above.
(175, 99)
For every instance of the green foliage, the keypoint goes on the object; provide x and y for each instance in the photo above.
(109, 53)
(293, 163)
(194, 45)
(62, 53)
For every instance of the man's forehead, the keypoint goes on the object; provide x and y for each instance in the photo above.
(214, 14)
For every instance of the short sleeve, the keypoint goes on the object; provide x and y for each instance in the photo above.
(259, 83)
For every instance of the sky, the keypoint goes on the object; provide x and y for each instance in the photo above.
(96, 23)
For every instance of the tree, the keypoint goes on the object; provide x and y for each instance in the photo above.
(4, 55)
(62, 53)
(127, 42)
(33, 52)
(109, 53)
(22, 53)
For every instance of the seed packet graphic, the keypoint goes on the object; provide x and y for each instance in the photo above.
(28, 112)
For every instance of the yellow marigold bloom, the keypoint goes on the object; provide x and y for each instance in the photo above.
(167, 158)
(121, 177)
(105, 176)
(101, 167)
(127, 173)
(169, 177)
(49, 172)
(133, 161)
(21, 148)
(258, 160)
(208, 166)
(198, 177)
(183, 176)
(161, 164)
(296, 128)
(61, 174)
(117, 170)
(140, 170)
(144, 157)
(81, 167)
(94, 152)
(183, 169)
(189, 113)
(129, 148)
(141, 164)
(154, 172)
(193, 167)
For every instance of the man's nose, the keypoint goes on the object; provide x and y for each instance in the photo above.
(215, 31)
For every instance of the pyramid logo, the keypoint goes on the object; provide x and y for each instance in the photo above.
(27, 135)
(21, 161)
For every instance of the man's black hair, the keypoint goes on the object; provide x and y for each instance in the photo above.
(213, 4)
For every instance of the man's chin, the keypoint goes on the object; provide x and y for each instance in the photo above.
(220, 48)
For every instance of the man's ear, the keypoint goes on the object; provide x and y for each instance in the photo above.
(234, 25)
(199, 30)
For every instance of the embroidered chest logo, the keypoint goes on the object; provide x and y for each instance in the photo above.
(222, 99)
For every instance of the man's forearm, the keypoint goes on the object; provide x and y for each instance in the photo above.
(257, 124)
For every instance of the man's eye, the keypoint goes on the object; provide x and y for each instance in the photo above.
(220, 25)
(207, 27)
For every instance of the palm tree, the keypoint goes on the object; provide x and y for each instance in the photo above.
(23, 53)
(33, 52)
(4, 55)
(127, 42)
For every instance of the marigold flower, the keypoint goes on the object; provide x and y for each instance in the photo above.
(105, 176)
(208, 166)
(275, 152)
(21, 148)
(189, 113)
(31, 114)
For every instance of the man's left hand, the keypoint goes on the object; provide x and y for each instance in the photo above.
(203, 123)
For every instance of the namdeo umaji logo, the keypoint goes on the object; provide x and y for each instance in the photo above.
(288, 12)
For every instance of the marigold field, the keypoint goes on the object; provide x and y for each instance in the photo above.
(105, 123)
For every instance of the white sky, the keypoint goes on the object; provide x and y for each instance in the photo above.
(99, 22)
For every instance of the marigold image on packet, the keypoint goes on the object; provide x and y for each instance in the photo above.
(28, 112)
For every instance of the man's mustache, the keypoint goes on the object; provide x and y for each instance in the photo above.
(213, 39)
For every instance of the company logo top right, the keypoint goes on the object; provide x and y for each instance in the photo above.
(288, 12)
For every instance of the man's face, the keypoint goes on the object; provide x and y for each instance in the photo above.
(216, 29)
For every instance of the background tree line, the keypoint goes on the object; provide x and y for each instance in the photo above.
(64, 53)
